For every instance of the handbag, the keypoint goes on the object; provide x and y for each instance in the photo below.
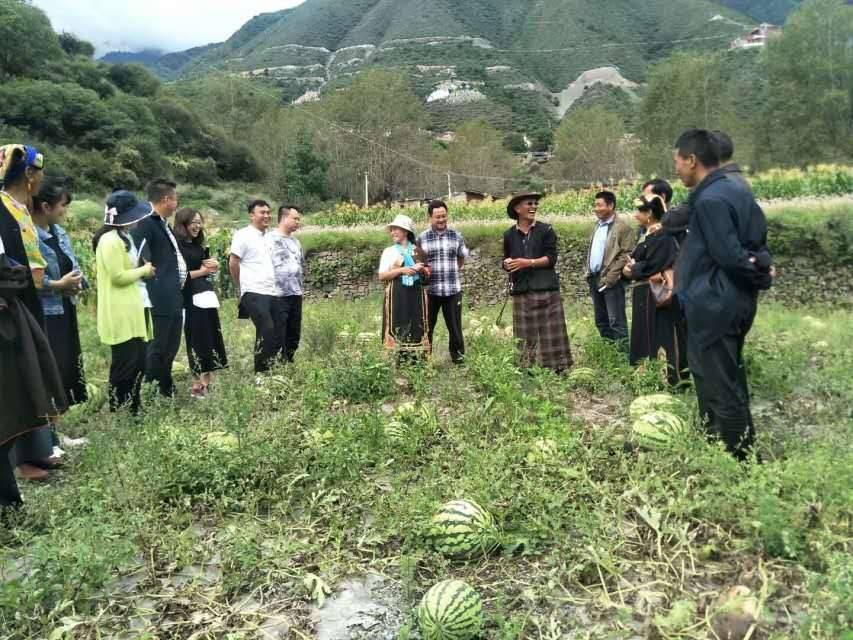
(662, 286)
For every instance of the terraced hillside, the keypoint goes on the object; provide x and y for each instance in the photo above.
(520, 65)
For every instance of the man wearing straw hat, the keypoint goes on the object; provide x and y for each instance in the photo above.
(530, 257)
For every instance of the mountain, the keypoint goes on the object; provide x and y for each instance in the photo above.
(520, 65)
(147, 57)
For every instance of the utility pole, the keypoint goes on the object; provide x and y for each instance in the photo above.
(366, 190)
(449, 187)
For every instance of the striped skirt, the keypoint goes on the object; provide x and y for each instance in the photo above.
(404, 320)
(539, 327)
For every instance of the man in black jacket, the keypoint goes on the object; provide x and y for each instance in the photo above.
(723, 265)
(156, 244)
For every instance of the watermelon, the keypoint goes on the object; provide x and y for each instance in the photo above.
(461, 529)
(221, 440)
(655, 403)
(582, 377)
(397, 430)
(543, 451)
(451, 610)
(655, 430)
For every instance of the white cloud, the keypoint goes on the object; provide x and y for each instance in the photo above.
(171, 25)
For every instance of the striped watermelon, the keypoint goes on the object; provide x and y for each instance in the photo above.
(582, 377)
(655, 403)
(543, 451)
(462, 528)
(655, 430)
(451, 610)
(397, 431)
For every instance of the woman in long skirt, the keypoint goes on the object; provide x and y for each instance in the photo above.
(404, 318)
(656, 331)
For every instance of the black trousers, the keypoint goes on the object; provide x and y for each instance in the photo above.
(722, 390)
(126, 371)
(9, 494)
(278, 327)
(162, 351)
(609, 307)
(451, 309)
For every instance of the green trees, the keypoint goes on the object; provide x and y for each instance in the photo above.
(809, 115)
(303, 175)
(478, 151)
(28, 39)
(591, 146)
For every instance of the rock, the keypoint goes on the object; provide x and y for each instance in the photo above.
(364, 608)
(735, 612)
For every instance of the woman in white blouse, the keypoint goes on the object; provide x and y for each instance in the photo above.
(404, 321)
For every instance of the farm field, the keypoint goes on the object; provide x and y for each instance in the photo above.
(238, 516)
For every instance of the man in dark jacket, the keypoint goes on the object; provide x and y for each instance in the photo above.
(727, 166)
(723, 265)
(156, 244)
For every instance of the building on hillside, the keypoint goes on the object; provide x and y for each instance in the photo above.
(758, 37)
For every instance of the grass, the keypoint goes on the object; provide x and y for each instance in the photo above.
(159, 530)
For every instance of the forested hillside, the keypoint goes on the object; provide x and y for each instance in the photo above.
(102, 125)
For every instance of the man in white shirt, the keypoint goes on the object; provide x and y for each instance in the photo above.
(251, 268)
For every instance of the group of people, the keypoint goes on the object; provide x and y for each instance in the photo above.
(153, 285)
(695, 271)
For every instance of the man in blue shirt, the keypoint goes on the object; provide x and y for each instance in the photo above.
(609, 250)
(445, 252)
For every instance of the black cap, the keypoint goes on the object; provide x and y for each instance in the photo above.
(123, 209)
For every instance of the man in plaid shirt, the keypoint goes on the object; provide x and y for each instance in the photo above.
(445, 253)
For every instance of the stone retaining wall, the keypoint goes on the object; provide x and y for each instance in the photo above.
(337, 274)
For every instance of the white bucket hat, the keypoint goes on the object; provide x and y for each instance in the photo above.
(403, 222)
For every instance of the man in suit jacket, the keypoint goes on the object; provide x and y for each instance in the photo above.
(609, 249)
(723, 265)
(156, 244)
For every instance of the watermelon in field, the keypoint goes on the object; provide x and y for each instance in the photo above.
(655, 430)
(582, 377)
(657, 402)
(451, 610)
(397, 431)
(222, 440)
(544, 451)
(462, 529)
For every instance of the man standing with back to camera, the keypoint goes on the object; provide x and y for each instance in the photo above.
(722, 267)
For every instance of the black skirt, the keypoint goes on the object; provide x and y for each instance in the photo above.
(64, 338)
(404, 321)
(205, 345)
(658, 333)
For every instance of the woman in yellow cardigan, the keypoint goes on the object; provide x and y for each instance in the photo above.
(123, 318)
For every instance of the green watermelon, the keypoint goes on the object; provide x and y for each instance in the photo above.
(397, 430)
(543, 451)
(221, 440)
(655, 403)
(462, 528)
(582, 377)
(655, 430)
(451, 610)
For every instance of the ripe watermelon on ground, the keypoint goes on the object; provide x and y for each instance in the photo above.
(396, 430)
(462, 528)
(582, 377)
(451, 610)
(655, 403)
(543, 451)
(655, 430)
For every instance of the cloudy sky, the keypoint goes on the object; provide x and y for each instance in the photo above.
(172, 25)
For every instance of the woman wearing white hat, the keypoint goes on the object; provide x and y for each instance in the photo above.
(404, 321)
